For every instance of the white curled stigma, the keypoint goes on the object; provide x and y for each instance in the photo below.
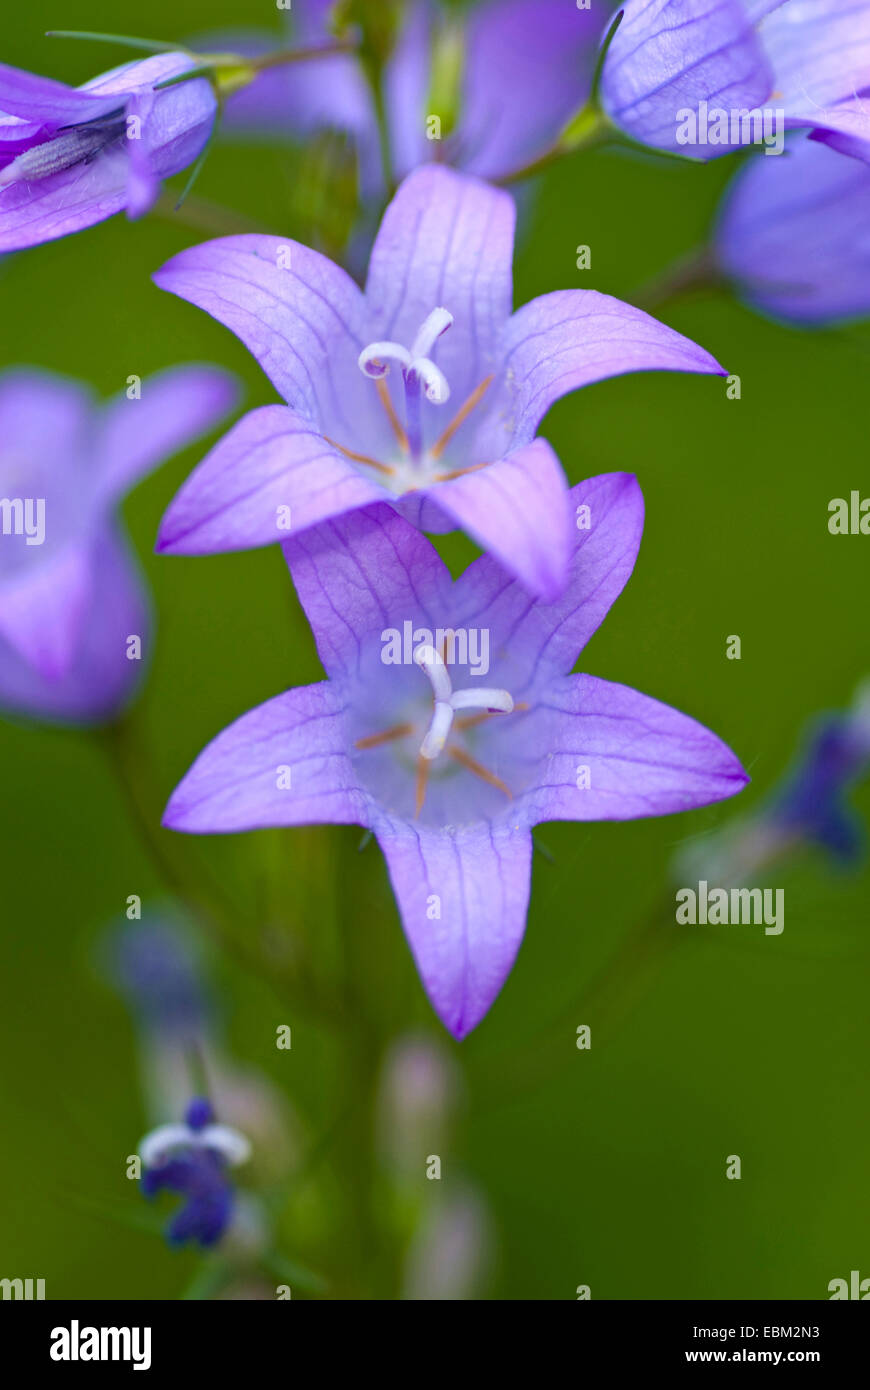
(419, 372)
(448, 700)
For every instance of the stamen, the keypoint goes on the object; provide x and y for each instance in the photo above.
(459, 472)
(386, 400)
(71, 145)
(359, 458)
(460, 417)
(422, 779)
(465, 760)
(388, 736)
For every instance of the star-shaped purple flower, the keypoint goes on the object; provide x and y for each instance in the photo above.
(450, 726)
(367, 379)
(71, 157)
(71, 599)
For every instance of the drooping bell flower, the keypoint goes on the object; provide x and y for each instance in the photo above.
(793, 235)
(449, 726)
(193, 1159)
(425, 391)
(72, 156)
(74, 616)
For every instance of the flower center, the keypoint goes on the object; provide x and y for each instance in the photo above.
(416, 466)
(488, 701)
(75, 144)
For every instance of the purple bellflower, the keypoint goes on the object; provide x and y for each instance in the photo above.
(72, 156)
(794, 235)
(808, 807)
(448, 757)
(193, 1160)
(695, 77)
(71, 598)
(489, 91)
(367, 377)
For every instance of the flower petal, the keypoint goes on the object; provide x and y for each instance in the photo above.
(617, 755)
(42, 100)
(542, 640)
(518, 510)
(101, 677)
(529, 67)
(284, 763)
(463, 897)
(300, 315)
(446, 241)
(271, 475)
(175, 407)
(668, 56)
(42, 609)
(794, 235)
(568, 339)
(819, 51)
(361, 573)
(79, 197)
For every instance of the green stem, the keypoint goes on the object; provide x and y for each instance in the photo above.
(300, 55)
(697, 270)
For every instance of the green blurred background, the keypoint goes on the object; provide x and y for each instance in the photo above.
(604, 1167)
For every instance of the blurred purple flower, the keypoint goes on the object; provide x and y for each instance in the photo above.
(192, 1159)
(520, 69)
(807, 60)
(72, 156)
(794, 235)
(811, 804)
(154, 964)
(70, 594)
(450, 774)
(441, 265)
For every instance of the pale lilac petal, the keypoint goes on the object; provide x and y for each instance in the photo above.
(542, 640)
(819, 51)
(517, 509)
(845, 128)
(569, 339)
(101, 676)
(794, 235)
(31, 213)
(361, 573)
(175, 407)
(616, 754)
(529, 68)
(668, 56)
(284, 763)
(446, 241)
(301, 316)
(462, 896)
(42, 607)
(271, 476)
(50, 103)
